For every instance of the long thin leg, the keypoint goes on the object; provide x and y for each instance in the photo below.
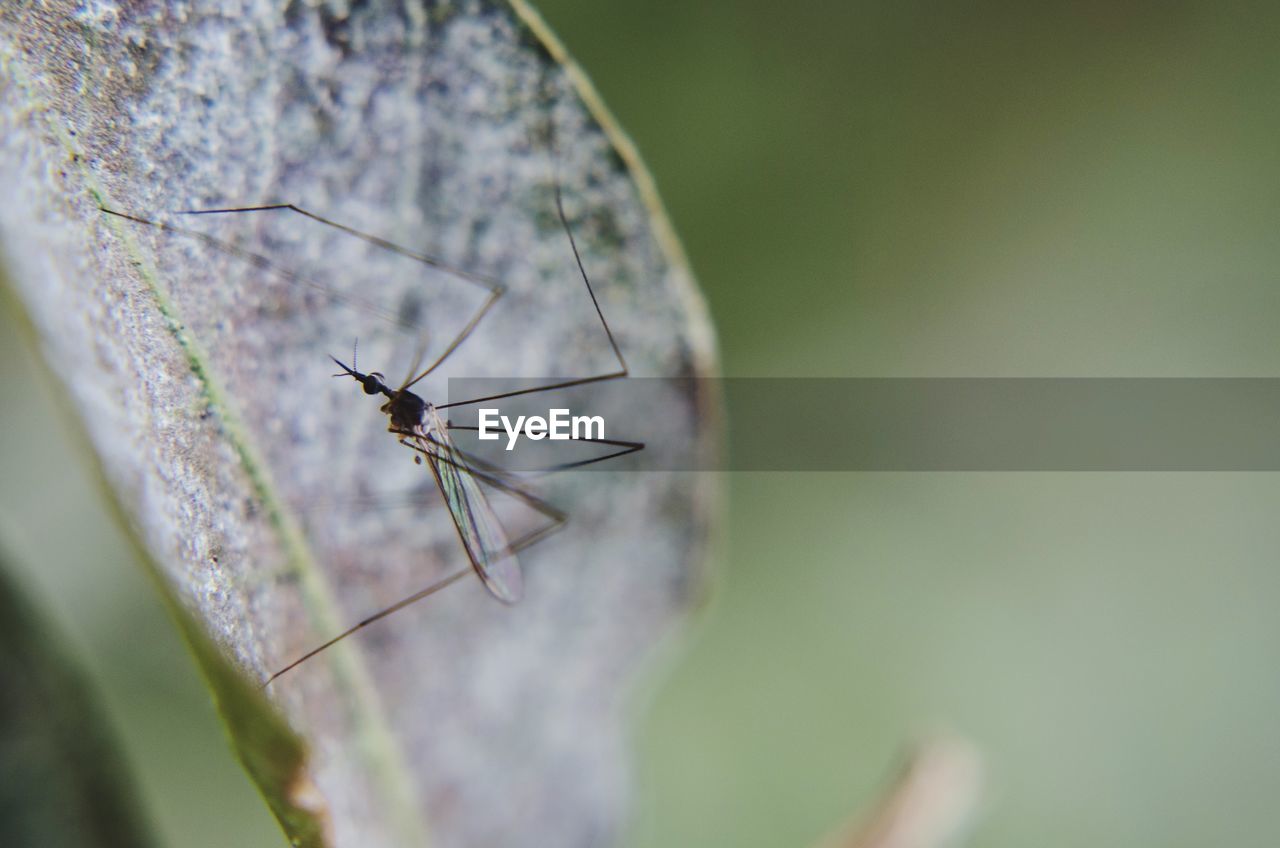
(627, 448)
(495, 289)
(613, 342)
(259, 261)
(460, 338)
(557, 520)
(378, 241)
(381, 614)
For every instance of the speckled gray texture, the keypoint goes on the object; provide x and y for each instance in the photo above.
(265, 489)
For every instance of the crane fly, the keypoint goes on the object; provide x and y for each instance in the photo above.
(420, 427)
(492, 556)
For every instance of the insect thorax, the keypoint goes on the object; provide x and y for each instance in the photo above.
(407, 411)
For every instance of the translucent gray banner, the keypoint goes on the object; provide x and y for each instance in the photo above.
(964, 424)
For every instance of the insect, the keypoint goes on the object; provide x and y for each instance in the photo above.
(420, 426)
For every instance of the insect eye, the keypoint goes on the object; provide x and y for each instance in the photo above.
(372, 383)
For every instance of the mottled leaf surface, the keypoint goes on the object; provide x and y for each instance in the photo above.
(275, 507)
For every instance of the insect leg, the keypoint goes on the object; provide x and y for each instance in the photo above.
(265, 264)
(623, 371)
(626, 448)
(377, 241)
(381, 614)
(495, 288)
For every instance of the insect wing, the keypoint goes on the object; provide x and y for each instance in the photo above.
(478, 526)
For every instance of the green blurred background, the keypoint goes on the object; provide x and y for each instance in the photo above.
(893, 189)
